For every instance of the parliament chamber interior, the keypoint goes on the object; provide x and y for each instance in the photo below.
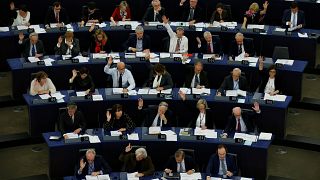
(160, 89)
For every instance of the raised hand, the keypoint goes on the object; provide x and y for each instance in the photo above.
(165, 20)
(256, 106)
(60, 40)
(128, 148)
(140, 103)
(82, 164)
(108, 114)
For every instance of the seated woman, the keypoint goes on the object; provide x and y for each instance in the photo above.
(121, 13)
(81, 80)
(159, 78)
(41, 84)
(21, 16)
(254, 15)
(118, 120)
(100, 43)
(270, 83)
(220, 14)
(203, 118)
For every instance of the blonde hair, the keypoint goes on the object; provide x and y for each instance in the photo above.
(202, 101)
(123, 4)
(254, 6)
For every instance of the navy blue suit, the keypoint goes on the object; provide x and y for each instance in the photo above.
(287, 17)
(214, 164)
(99, 165)
(188, 162)
(132, 42)
(248, 47)
(215, 44)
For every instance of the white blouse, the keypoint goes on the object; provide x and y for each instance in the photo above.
(201, 120)
(35, 87)
(21, 20)
(156, 82)
(270, 86)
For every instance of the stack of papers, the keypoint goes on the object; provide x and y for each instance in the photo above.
(99, 177)
(48, 61)
(177, 56)
(255, 26)
(37, 29)
(193, 176)
(133, 136)
(81, 93)
(82, 59)
(235, 93)
(155, 91)
(208, 133)
(4, 29)
(154, 23)
(280, 29)
(92, 139)
(285, 61)
(246, 137)
(143, 91)
(164, 55)
(64, 57)
(57, 95)
(154, 60)
(114, 55)
(155, 130)
(250, 59)
(265, 136)
(22, 27)
(140, 54)
(72, 135)
(305, 35)
(132, 176)
(170, 135)
(33, 59)
(99, 55)
(281, 98)
(115, 133)
(185, 90)
(129, 55)
(179, 24)
(229, 24)
(132, 92)
(97, 97)
(207, 56)
(69, 27)
(117, 90)
(200, 91)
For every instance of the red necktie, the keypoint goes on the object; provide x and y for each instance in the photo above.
(209, 48)
(238, 125)
(57, 17)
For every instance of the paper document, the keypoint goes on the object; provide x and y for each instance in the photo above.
(57, 95)
(154, 23)
(208, 133)
(153, 91)
(44, 96)
(243, 178)
(281, 98)
(170, 135)
(117, 90)
(99, 177)
(250, 59)
(200, 91)
(246, 137)
(143, 91)
(132, 176)
(305, 35)
(155, 130)
(185, 90)
(33, 59)
(164, 55)
(129, 55)
(48, 61)
(97, 97)
(132, 92)
(81, 93)
(22, 27)
(99, 55)
(167, 91)
(82, 59)
(177, 56)
(235, 93)
(255, 26)
(133, 136)
(72, 135)
(4, 29)
(193, 176)
(154, 60)
(265, 136)
(115, 133)
(114, 55)
(285, 61)
(140, 54)
(94, 139)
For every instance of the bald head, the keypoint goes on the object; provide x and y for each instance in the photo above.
(236, 112)
(121, 67)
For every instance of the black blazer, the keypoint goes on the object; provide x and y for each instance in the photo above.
(51, 18)
(124, 122)
(227, 84)
(188, 161)
(216, 16)
(25, 48)
(247, 119)
(66, 125)
(248, 47)
(80, 84)
(287, 17)
(62, 50)
(106, 47)
(148, 115)
(198, 15)
(132, 42)
(190, 74)
(264, 80)
(210, 121)
(215, 44)
(149, 15)
(214, 165)
(166, 81)
(99, 165)
(97, 15)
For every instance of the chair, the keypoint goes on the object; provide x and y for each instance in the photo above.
(190, 152)
(166, 44)
(82, 152)
(61, 110)
(280, 52)
(227, 7)
(235, 157)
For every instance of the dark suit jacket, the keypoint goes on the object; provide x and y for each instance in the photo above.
(148, 115)
(149, 15)
(247, 119)
(264, 81)
(188, 161)
(198, 15)
(215, 44)
(66, 125)
(80, 84)
(214, 165)
(62, 50)
(99, 165)
(166, 81)
(190, 74)
(216, 16)
(287, 17)
(130, 164)
(97, 15)
(227, 84)
(132, 42)
(248, 47)
(51, 18)
(210, 122)
(25, 48)
(106, 47)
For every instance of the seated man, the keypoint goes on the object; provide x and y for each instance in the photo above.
(221, 164)
(91, 14)
(191, 12)
(71, 120)
(153, 116)
(242, 121)
(31, 47)
(41, 84)
(196, 77)
(241, 46)
(159, 79)
(180, 163)
(81, 80)
(92, 164)
(233, 82)
(208, 45)
(21, 16)
(121, 77)
(137, 161)
(178, 42)
(67, 45)
(154, 13)
(139, 41)
(56, 14)
(293, 18)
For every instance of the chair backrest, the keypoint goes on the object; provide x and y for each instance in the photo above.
(191, 153)
(135, 147)
(227, 7)
(61, 110)
(280, 52)
(235, 157)
(82, 152)
(165, 44)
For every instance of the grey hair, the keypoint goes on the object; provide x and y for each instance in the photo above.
(141, 152)
(239, 35)
(33, 34)
(236, 70)
(164, 104)
(139, 29)
(207, 33)
(90, 151)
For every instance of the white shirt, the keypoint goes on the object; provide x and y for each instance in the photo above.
(181, 167)
(127, 78)
(242, 124)
(69, 49)
(156, 83)
(155, 121)
(201, 120)
(270, 87)
(294, 23)
(21, 20)
(173, 41)
(193, 80)
(35, 87)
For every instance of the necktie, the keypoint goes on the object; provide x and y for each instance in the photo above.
(223, 167)
(178, 45)
(239, 49)
(209, 48)
(33, 50)
(120, 81)
(191, 14)
(238, 125)
(159, 121)
(294, 24)
(57, 17)
(155, 16)
(196, 80)
(235, 85)
(91, 168)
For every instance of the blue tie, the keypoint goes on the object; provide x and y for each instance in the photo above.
(33, 50)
